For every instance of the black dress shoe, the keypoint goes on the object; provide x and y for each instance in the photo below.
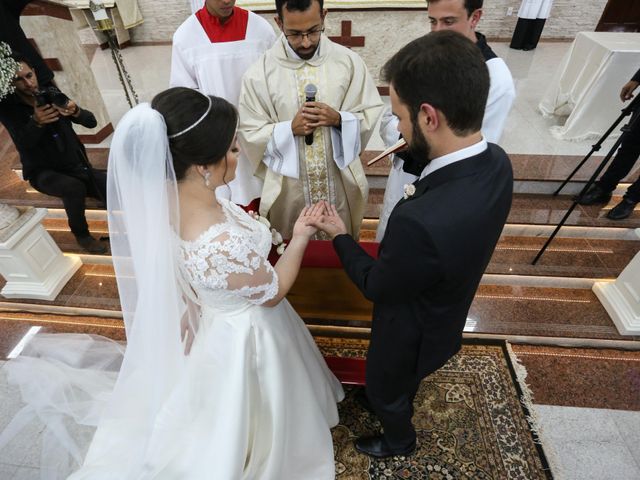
(91, 245)
(377, 447)
(594, 196)
(622, 210)
(361, 398)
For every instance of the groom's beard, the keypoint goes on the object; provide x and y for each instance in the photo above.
(416, 157)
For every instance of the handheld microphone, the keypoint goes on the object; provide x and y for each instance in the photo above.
(310, 93)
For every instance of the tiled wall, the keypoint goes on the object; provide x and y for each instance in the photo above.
(568, 17)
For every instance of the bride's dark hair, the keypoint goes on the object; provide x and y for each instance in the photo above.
(208, 142)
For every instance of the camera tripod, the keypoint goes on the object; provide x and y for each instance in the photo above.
(632, 109)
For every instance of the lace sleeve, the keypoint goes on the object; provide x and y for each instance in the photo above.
(229, 262)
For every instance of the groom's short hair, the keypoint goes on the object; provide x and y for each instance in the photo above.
(446, 70)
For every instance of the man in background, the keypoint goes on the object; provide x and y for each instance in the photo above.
(463, 17)
(626, 157)
(212, 49)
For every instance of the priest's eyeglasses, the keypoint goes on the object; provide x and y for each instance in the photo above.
(312, 35)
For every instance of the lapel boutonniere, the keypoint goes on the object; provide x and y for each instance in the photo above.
(409, 190)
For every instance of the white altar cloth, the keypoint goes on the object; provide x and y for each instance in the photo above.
(587, 83)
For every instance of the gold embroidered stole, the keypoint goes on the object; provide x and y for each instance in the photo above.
(317, 182)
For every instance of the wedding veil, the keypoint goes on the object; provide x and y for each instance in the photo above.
(95, 381)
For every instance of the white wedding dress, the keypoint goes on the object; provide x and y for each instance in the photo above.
(256, 400)
(252, 400)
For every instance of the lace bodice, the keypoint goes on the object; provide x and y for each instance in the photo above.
(229, 259)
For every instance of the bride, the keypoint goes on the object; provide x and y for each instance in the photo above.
(220, 378)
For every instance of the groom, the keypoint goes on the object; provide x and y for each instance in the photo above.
(440, 237)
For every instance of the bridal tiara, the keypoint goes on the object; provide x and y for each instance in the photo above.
(197, 122)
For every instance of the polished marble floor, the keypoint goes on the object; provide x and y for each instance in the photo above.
(587, 408)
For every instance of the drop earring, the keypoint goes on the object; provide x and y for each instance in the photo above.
(207, 175)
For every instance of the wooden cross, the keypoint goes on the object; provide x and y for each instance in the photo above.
(345, 37)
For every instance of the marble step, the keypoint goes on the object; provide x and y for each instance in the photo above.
(526, 167)
(574, 255)
(568, 262)
(564, 317)
(15, 325)
(15, 191)
(577, 251)
(97, 156)
(92, 288)
(58, 228)
(536, 209)
(527, 208)
(589, 246)
(20, 193)
(535, 314)
(565, 257)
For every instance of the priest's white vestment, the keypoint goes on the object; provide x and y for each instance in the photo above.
(296, 174)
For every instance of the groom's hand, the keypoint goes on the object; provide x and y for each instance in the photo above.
(330, 223)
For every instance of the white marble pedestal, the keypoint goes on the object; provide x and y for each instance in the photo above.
(621, 298)
(30, 261)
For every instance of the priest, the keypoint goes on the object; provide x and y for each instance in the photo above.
(212, 49)
(307, 109)
(461, 16)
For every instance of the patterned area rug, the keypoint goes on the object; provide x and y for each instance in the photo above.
(470, 423)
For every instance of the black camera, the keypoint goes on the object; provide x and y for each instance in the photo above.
(51, 95)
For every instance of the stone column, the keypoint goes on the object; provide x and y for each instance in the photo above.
(621, 297)
(30, 261)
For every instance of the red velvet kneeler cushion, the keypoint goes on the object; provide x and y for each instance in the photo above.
(320, 253)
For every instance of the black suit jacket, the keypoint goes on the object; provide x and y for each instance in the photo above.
(432, 257)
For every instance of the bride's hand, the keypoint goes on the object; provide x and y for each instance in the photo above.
(309, 215)
(329, 221)
(187, 333)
